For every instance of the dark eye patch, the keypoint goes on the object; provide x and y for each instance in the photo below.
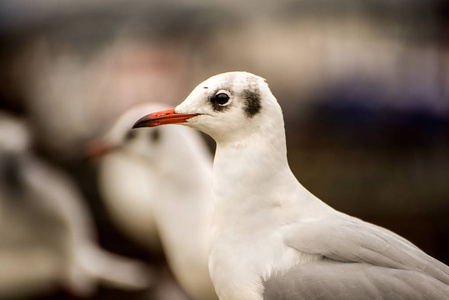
(155, 135)
(131, 134)
(219, 100)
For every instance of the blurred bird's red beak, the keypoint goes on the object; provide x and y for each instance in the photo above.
(163, 117)
(98, 148)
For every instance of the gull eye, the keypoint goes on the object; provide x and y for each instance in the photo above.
(222, 98)
(155, 135)
(131, 134)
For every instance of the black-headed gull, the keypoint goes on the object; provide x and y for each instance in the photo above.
(273, 239)
(156, 184)
(47, 236)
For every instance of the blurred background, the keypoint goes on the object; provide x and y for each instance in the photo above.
(364, 86)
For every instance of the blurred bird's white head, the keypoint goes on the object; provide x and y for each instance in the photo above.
(145, 143)
(174, 149)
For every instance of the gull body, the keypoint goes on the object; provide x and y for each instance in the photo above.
(157, 185)
(272, 238)
(47, 236)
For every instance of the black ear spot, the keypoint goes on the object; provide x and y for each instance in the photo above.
(252, 102)
(155, 135)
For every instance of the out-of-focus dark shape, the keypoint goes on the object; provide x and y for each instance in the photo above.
(47, 239)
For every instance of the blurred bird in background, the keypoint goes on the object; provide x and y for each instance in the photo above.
(47, 238)
(156, 186)
(363, 86)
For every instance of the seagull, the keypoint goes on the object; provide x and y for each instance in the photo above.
(47, 236)
(156, 184)
(273, 239)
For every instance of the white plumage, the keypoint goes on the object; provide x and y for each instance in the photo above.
(273, 239)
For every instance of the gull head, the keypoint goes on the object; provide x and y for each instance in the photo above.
(121, 139)
(226, 107)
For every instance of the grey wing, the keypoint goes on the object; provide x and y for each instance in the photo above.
(327, 280)
(347, 239)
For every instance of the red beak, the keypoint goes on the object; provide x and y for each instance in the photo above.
(98, 148)
(163, 117)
